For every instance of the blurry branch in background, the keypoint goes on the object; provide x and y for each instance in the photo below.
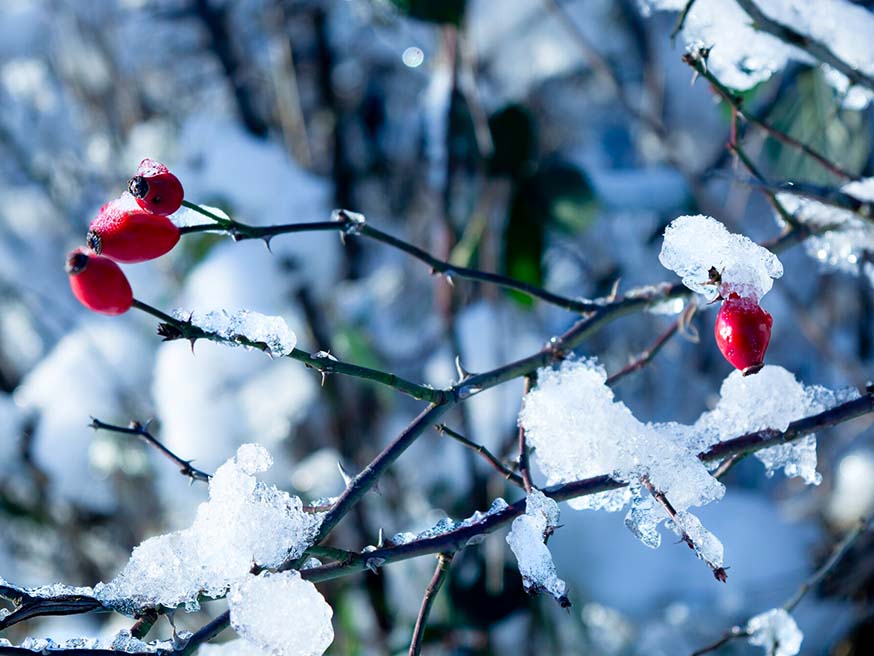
(441, 573)
(142, 432)
(814, 48)
(838, 552)
(645, 357)
(697, 59)
(348, 224)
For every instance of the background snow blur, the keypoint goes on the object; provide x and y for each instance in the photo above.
(277, 111)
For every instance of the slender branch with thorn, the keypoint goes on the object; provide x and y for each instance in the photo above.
(441, 573)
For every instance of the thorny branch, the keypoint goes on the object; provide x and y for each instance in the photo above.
(813, 47)
(141, 431)
(350, 562)
(837, 554)
(698, 61)
(347, 225)
(441, 573)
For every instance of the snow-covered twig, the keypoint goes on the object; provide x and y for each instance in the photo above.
(839, 551)
(698, 61)
(807, 43)
(441, 573)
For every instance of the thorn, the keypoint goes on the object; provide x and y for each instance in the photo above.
(347, 477)
(192, 340)
(324, 377)
(343, 238)
(448, 277)
(463, 374)
(267, 241)
(614, 290)
(381, 543)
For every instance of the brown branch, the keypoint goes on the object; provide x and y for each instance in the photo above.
(698, 61)
(524, 468)
(646, 356)
(441, 573)
(813, 47)
(142, 432)
(487, 455)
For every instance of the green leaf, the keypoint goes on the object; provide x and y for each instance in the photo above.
(433, 11)
(514, 137)
(558, 195)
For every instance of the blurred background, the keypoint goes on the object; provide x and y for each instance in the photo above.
(551, 141)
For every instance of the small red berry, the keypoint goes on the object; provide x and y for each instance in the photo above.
(155, 188)
(127, 233)
(743, 330)
(98, 283)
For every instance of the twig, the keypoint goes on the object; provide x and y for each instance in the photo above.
(646, 356)
(785, 214)
(204, 634)
(489, 457)
(173, 329)
(815, 48)
(467, 534)
(524, 468)
(839, 551)
(441, 573)
(681, 19)
(718, 571)
(142, 432)
(347, 226)
(825, 195)
(698, 61)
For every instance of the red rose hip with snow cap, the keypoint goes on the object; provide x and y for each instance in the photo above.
(743, 330)
(98, 283)
(155, 188)
(125, 232)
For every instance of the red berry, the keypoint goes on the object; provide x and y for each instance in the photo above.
(743, 330)
(127, 233)
(98, 283)
(155, 188)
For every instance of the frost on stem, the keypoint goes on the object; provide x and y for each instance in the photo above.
(245, 522)
(776, 631)
(282, 614)
(273, 332)
(771, 399)
(448, 524)
(697, 247)
(743, 55)
(848, 245)
(123, 641)
(578, 430)
(527, 539)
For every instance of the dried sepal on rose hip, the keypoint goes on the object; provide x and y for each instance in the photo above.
(743, 331)
(127, 233)
(155, 188)
(98, 283)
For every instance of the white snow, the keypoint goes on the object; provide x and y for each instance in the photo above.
(695, 244)
(244, 523)
(527, 539)
(255, 327)
(844, 247)
(742, 56)
(282, 613)
(233, 648)
(578, 430)
(776, 631)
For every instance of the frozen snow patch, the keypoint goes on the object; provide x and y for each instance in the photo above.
(527, 539)
(695, 246)
(776, 631)
(273, 332)
(282, 613)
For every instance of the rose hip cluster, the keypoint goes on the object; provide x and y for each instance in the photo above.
(132, 228)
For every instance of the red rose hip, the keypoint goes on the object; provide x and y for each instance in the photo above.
(98, 283)
(743, 330)
(126, 233)
(155, 188)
